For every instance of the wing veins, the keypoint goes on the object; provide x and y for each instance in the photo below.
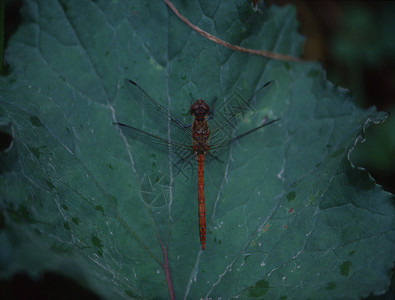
(226, 143)
(158, 107)
(229, 118)
(157, 139)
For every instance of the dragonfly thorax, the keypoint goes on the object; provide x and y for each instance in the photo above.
(200, 136)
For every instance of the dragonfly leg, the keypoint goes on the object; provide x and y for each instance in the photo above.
(211, 114)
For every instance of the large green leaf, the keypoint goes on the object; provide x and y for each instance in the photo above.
(288, 215)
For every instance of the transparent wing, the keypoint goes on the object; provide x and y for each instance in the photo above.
(179, 145)
(181, 154)
(162, 117)
(227, 117)
(218, 147)
(222, 125)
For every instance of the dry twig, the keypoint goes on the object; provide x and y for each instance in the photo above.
(214, 39)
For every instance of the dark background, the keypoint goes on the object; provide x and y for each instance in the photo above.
(355, 43)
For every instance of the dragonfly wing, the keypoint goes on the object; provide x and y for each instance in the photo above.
(220, 146)
(157, 111)
(150, 139)
(181, 153)
(228, 116)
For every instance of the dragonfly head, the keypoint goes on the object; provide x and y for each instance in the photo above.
(199, 109)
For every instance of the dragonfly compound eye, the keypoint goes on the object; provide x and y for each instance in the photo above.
(199, 107)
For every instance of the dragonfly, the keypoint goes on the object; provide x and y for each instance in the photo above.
(207, 136)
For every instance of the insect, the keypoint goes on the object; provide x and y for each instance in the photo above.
(198, 140)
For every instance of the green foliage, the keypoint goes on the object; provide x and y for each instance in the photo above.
(288, 215)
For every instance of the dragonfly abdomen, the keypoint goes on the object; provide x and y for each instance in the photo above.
(201, 208)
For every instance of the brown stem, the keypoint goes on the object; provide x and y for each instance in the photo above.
(214, 39)
(166, 269)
